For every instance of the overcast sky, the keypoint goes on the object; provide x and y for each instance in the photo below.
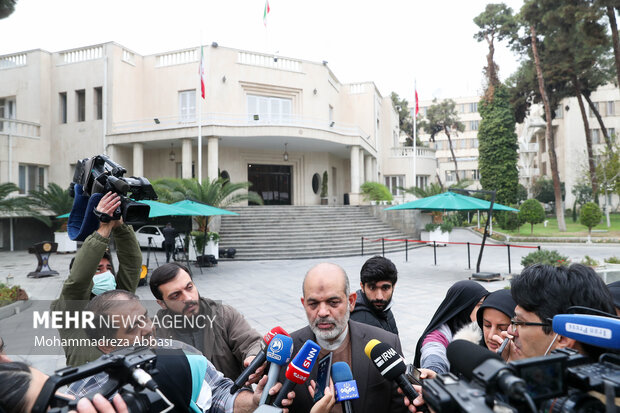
(390, 42)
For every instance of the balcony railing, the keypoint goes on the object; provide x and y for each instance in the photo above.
(14, 60)
(408, 151)
(530, 147)
(20, 128)
(529, 172)
(271, 61)
(239, 120)
(82, 55)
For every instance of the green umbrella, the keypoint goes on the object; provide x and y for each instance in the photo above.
(159, 209)
(198, 209)
(450, 201)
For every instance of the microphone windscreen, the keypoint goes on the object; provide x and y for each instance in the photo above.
(299, 369)
(589, 329)
(388, 361)
(280, 350)
(369, 346)
(341, 372)
(272, 333)
(464, 356)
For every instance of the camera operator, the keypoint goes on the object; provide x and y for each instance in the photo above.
(92, 273)
(124, 310)
(543, 291)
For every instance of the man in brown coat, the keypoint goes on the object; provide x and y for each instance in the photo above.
(219, 331)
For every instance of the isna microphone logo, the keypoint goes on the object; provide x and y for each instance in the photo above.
(277, 344)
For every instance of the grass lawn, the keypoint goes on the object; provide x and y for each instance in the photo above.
(573, 229)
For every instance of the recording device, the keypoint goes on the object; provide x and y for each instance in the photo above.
(260, 358)
(346, 387)
(279, 353)
(413, 375)
(99, 175)
(392, 367)
(322, 376)
(129, 372)
(299, 369)
(558, 382)
(501, 348)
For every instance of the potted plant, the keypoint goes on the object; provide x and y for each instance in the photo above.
(376, 192)
(213, 241)
(324, 199)
(439, 230)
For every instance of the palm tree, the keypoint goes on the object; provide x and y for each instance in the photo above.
(433, 189)
(12, 204)
(55, 199)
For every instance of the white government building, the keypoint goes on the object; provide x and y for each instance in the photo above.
(277, 122)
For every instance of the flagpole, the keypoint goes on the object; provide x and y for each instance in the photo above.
(200, 114)
(415, 139)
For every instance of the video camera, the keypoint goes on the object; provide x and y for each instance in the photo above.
(560, 381)
(129, 371)
(100, 174)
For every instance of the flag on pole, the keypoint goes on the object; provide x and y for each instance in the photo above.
(201, 71)
(417, 108)
(266, 12)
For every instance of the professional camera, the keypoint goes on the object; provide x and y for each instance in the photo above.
(559, 382)
(129, 373)
(100, 174)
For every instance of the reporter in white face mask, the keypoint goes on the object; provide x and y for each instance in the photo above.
(92, 272)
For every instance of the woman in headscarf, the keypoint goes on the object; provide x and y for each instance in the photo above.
(494, 316)
(456, 310)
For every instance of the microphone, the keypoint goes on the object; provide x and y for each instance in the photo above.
(589, 329)
(278, 353)
(299, 369)
(258, 360)
(392, 367)
(487, 367)
(346, 387)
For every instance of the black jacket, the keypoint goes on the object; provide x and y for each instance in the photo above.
(365, 312)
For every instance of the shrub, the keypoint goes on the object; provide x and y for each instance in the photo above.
(508, 220)
(590, 215)
(430, 227)
(324, 185)
(549, 257)
(8, 294)
(589, 261)
(532, 212)
(375, 191)
(612, 260)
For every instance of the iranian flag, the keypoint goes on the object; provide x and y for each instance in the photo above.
(417, 108)
(266, 12)
(201, 71)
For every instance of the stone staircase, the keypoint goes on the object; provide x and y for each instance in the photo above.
(291, 232)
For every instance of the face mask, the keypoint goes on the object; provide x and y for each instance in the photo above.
(104, 282)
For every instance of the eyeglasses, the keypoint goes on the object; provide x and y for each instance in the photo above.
(517, 323)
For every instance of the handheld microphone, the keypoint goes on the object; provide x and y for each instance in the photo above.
(392, 367)
(278, 353)
(346, 387)
(589, 329)
(485, 366)
(258, 360)
(299, 369)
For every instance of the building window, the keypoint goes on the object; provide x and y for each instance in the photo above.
(473, 107)
(611, 132)
(394, 182)
(450, 176)
(179, 170)
(475, 143)
(269, 109)
(461, 108)
(473, 125)
(421, 181)
(544, 168)
(596, 138)
(62, 103)
(7, 111)
(187, 106)
(31, 177)
(597, 109)
(80, 99)
(543, 145)
(611, 108)
(475, 174)
(98, 103)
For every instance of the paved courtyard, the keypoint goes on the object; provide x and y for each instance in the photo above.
(268, 292)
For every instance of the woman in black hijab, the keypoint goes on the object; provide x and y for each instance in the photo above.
(494, 316)
(456, 311)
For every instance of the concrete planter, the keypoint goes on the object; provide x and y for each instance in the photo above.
(212, 248)
(65, 244)
(436, 235)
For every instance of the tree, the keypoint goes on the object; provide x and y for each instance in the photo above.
(404, 116)
(12, 204)
(583, 193)
(531, 211)
(443, 117)
(53, 198)
(544, 191)
(433, 189)
(608, 173)
(7, 7)
(590, 216)
(375, 191)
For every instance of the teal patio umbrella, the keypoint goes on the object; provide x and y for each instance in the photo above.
(203, 210)
(64, 215)
(450, 201)
(159, 209)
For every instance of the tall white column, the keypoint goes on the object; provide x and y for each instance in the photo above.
(368, 166)
(361, 166)
(355, 169)
(138, 159)
(212, 157)
(375, 171)
(186, 159)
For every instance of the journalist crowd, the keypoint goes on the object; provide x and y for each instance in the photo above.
(203, 356)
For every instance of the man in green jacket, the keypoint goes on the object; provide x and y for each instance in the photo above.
(92, 273)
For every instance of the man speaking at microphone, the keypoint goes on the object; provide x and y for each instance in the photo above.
(328, 303)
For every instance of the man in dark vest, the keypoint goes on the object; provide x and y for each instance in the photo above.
(378, 278)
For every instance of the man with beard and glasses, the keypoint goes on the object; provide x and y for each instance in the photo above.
(328, 303)
(219, 331)
(378, 278)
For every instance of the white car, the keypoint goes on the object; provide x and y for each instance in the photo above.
(157, 237)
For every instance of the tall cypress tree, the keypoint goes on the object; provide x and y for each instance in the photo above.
(497, 150)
